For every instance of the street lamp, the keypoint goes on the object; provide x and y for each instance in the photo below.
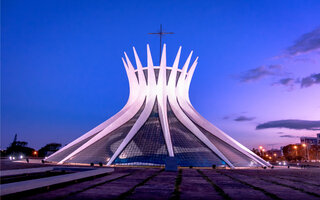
(260, 150)
(275, 156)
(306, 152)
(296, 148)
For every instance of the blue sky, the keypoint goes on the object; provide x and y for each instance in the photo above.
(258, 76)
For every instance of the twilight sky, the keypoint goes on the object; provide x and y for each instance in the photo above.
(258, 76)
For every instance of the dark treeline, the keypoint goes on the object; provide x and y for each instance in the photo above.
(20, 148)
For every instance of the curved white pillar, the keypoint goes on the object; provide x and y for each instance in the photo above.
(126, 116)
(162, 90)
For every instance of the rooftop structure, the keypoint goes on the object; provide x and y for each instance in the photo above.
(308, 140)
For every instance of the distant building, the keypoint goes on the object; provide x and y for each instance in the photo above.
(318, 139)
(310, 140)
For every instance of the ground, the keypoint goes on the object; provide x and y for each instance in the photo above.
(155, 183)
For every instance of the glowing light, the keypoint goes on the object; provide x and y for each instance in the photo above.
(10, 158)
(275, 155)
(295, 147)
(304, 145)
(260, 147)
(263, 150)
(35, 153)
(123, 155)
(21, 156)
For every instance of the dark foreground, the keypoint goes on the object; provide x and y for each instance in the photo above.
(155, 183)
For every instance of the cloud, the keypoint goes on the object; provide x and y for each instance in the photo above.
(244, 118)
(291, 124)
(306, 43)
(305, 60)
(310, 80)
(260, 72)
(287, 82)
(303, 82)
(289, 136)
(275, 67)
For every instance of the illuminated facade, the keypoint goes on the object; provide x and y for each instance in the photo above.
(157, 122)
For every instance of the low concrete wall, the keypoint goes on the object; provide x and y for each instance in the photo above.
(11, 188)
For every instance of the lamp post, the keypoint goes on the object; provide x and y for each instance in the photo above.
(306, 151)
(317, 151)
(296, 148)
(260, 149)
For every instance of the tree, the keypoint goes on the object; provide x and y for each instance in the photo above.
(48, 149)
(19, 147)
(293, 152)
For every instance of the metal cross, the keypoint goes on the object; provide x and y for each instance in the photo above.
(160, 33)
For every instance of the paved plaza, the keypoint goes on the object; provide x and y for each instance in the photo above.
(155, 183)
